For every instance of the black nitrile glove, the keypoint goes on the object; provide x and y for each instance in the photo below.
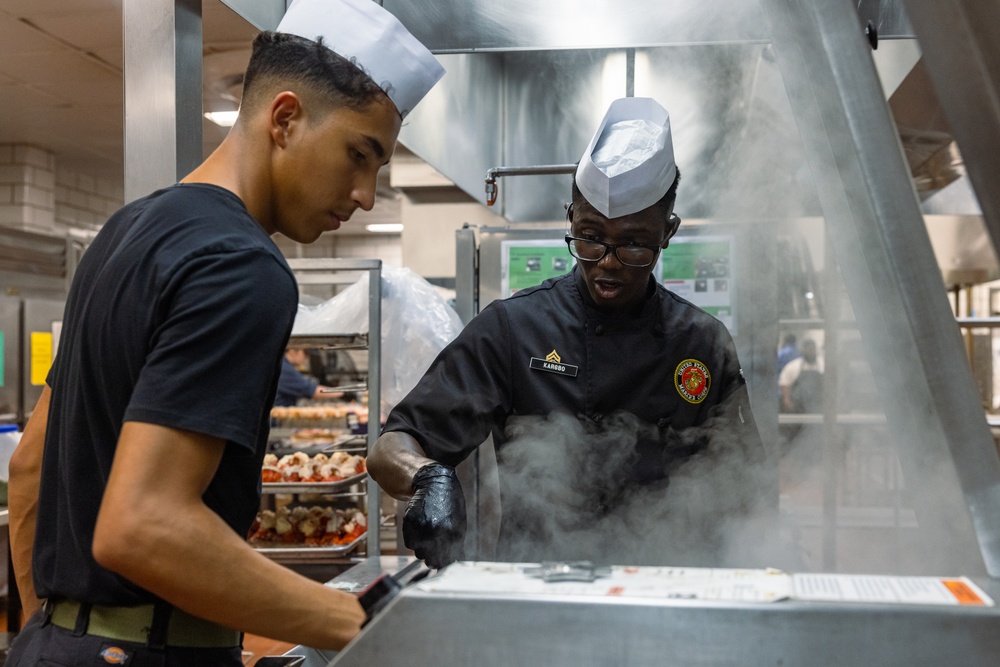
(434, 523)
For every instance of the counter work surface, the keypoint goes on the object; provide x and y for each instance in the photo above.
(469, 614)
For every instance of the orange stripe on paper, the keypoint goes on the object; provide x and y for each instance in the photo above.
(962, 592)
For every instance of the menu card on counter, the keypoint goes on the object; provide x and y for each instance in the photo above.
(693, 583)
(895, 590)
(675, 583)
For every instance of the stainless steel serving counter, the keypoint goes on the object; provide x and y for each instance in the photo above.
(355, 580)
(446, 620)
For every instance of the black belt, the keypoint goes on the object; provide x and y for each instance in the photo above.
(157, 625)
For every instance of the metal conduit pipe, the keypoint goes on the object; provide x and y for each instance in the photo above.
(492, 189)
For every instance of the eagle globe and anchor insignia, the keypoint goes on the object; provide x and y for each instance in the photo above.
(553, 363)
(692, 380)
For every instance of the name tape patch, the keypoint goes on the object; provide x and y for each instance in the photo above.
(538, 364)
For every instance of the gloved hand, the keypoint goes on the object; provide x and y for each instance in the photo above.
(434, 522)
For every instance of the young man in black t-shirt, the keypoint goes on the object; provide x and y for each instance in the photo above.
(140, 465)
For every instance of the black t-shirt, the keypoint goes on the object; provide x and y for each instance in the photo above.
(178, 316)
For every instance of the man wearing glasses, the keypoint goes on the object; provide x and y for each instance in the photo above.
(598, 387)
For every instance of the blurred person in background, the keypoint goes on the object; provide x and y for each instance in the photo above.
(605, 345)
(294, 385)
(141, 463)
(789, 350)
(801, 381)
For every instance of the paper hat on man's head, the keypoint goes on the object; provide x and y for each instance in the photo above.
(629, 164)
(376, 41)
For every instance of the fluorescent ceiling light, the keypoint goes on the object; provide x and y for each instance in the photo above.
(385, 227)
(223, 118)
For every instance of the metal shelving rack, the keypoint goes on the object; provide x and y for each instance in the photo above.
(331, 272)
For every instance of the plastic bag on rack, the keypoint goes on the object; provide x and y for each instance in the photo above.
(417, 323)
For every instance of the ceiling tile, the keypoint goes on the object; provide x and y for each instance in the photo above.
(114, 55)
(57, 68)
(88, 30)
(29, 8)
(221, 24)
(19, 38)
(27, 97)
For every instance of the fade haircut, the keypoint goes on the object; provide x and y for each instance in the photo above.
(665, 202)
(286, 60)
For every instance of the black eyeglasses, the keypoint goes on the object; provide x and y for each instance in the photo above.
(635, 255)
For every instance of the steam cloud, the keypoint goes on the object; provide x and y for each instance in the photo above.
(573, 491)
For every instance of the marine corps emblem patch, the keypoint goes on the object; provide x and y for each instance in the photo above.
(692, 380)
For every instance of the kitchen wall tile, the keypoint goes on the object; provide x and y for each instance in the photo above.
(33, 155)
(11, 173)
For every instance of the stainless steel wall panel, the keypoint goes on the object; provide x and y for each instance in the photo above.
(946, 451)
(728, 109)
(262, 14)
(466, 272)
(163, 87)
(10, 354)
(479, 25)
(458, 127)
(730, 117)
(554, 101)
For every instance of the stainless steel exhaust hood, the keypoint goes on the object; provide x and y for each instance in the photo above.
(778, 114)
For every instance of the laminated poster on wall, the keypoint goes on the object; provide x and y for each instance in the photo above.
(527, 263)
(700, 269)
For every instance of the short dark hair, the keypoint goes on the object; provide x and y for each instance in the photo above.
(285, 58)
(665, 203)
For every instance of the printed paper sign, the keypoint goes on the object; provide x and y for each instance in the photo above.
(41, 356)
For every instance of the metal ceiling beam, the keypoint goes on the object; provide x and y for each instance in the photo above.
(163, 44)
(871, 210)
(958, 39)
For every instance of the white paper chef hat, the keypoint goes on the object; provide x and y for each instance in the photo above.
(629, 164)
(375, 39)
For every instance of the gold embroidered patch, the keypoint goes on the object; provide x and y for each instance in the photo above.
(692, 380)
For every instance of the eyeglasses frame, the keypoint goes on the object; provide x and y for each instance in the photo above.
(613, 247)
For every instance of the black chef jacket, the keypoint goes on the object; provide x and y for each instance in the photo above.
(670, 367)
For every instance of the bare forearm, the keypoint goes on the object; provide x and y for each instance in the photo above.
(181, 550)
(324, 393)
(393, 461)
(25, 478)
(193, 560)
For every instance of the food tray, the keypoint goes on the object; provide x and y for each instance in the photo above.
(346, 443)
(285, 554)
(345, 341)
(313, 487)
